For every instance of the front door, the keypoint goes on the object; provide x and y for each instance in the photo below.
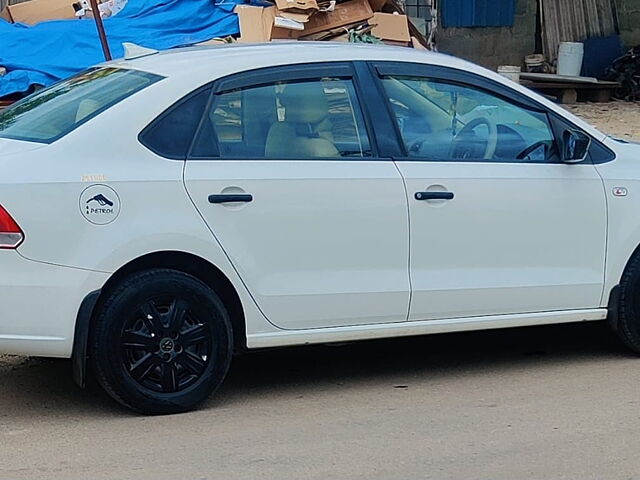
(284, 174)
(498, 224)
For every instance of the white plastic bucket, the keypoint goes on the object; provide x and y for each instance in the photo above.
(570, 58)
(511, 72)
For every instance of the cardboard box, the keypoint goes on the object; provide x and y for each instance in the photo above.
(4, 14)
(391, 27)
(396, 44)
(305, 6)
(37, 11)
(415, 43)
(257, 25)
(295, 16)
(213, 41)
(377, 5)
(347, 13)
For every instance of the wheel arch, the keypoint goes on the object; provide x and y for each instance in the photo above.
(176, 260)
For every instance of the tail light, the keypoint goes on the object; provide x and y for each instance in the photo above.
(10, 232)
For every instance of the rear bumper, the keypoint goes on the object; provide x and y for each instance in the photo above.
(39, 305)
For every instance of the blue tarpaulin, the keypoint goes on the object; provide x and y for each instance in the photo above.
(49, 51)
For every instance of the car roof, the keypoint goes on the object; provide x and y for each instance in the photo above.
(243, 56)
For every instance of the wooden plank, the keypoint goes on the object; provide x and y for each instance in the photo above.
(575, 92)
(551, 77)
(575, 86)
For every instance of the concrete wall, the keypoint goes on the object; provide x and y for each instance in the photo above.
(495, 46)
(629, 21)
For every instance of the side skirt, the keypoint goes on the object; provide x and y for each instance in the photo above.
(425, 327)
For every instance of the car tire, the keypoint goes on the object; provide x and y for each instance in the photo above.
(627, 321)
(162, 342)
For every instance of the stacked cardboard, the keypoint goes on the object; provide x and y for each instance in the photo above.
(36, 11)
(327, 20)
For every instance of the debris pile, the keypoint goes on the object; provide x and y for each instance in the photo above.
(364, 21)
(626, 71)
(67, 29)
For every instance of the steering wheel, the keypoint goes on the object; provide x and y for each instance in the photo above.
(527, 151)
(461, 151)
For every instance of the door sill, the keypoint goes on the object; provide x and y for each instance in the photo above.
(424, 327)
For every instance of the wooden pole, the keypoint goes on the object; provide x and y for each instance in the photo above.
(101, 32)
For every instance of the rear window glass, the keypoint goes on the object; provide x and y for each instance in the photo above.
(171, 134)
(51, 113)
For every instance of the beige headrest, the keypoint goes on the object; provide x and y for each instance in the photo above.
(304, 103)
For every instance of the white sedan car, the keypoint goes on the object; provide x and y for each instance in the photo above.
(160, 214)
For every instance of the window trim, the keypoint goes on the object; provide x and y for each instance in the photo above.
(290, 73)
(453, 76)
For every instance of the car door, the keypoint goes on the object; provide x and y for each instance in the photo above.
(499, 225)
(286, 176)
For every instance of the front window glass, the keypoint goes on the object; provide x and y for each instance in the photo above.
(305, 119)
(53, 112)
(450, 122)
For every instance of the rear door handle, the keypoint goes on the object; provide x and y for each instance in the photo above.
(231, 198)
(434, 196)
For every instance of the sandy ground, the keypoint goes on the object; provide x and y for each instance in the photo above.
(559, 402)
(621, 119)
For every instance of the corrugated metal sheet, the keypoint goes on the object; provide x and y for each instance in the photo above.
(569, 21)
(477, 13)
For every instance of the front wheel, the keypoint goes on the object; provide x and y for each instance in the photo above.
(162, 342)
(627, 322)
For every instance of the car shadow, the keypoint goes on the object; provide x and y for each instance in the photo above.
(44, 387)
(386, 362)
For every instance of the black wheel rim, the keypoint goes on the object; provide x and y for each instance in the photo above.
(166, 346)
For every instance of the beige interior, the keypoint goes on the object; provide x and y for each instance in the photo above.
(306, 131)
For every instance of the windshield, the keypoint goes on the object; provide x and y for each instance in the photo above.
(51, 113)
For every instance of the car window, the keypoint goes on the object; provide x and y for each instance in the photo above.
(304, 119)
(53, 112)
(171, 134)
(450, 122)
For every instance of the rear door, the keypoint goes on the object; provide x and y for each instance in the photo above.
(286, 175)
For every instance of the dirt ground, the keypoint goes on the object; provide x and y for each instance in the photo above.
(620, 119)
(557, 402)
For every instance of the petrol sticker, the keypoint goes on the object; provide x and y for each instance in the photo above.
(99, 204)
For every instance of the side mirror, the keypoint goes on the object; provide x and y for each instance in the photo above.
(575, 146)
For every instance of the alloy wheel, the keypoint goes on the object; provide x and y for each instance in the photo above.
(165, 346)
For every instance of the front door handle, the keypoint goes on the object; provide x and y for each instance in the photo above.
(231, 198)
(433, 196)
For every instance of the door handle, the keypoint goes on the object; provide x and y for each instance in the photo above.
(434, 196)
(231, 198)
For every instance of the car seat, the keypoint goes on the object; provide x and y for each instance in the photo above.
(306, 131)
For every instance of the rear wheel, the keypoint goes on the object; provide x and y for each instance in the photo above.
(162, 342)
